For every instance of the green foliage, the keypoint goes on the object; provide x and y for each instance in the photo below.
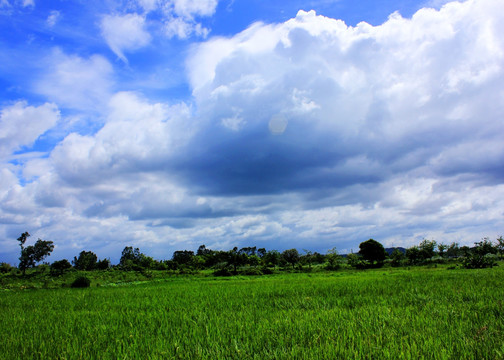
(5, 268)
(355, 261)
(103, 264)
(453, 250)
(222, 272)
(87, 260)
(483, 255)
(373, 252)
(183, 257)
(271, 258)
(81, 282)
(32, 254)
(397, 257)
(427, 249)
(291, 256)
(59, 267)
(333, 259)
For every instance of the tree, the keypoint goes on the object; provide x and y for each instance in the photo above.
(333, 259)
(397, 256)
(271, 258)
(441, 249)
(453, 250)
(500, 245)
(33, 254)
(133, 259)
(484, 247)
(87, 260)
(59, 267)
(427, 249)
(413, 254)
(372, 251)
(103, 264)
(183, 257)
(235, 258)
(291, 256)
(202, 251)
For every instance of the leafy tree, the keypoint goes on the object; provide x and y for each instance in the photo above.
(333, 259)
(500, 245)
(235, 259)
(249, 251)
(271, 258)
(202, 251)
(291, 256)
(441, 249)
(413, 254)
(60, 266)
(253, 260)
(307, 258)
(183, 257)
(372, 251)
(261, 252)
(453, 250)
(103, 264)
(33, 254)
(87, 260)
(354, 260)
(427, 249)
(484, 247)
(397, 257)
(133, 259)
(5, 268)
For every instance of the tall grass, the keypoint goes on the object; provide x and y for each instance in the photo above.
(380, 314)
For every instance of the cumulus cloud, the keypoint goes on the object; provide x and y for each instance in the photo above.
(360, 103)
(307, 134)
(76, 82)
(21, 125)
(125, 33)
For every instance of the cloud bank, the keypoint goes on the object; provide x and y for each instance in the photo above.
(308, 134)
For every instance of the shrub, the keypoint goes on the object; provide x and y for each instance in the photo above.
(477, 261)
(5, 268)
(266, 270)
(222, 272)
(252, 271)
(81, 282)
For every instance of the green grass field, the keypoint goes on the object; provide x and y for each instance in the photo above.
(375, 314)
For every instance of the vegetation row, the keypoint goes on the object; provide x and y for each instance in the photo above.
(259, 261)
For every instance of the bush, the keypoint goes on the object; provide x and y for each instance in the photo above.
(266, 270)
(81, 282)
(477, 261)
(5, 268)
(252, 271)
(222, 272)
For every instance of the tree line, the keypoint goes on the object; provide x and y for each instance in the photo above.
(257, 261)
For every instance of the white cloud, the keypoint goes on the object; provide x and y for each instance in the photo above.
(76, 82)
(192, 8)
(136, 134)
(305, 134)
(53, 18)
(125, 33)
(21, 125)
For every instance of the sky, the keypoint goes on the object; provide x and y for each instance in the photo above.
(168, 124)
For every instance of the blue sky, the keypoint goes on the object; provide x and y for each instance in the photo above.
(167, 124)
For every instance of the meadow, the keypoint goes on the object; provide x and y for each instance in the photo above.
(417, 313)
